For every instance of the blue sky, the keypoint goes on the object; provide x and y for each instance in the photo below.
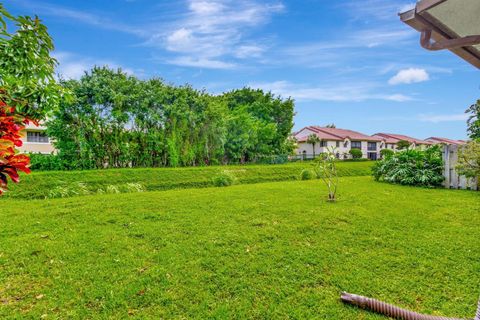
(352, 62)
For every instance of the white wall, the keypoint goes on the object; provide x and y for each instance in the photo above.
(341, 149)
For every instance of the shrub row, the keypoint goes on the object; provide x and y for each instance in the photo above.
(37, 185)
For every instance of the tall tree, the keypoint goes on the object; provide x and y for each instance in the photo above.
(313, 139)
(469, 159)
(473, 121)
(27, 87)
(117, 120)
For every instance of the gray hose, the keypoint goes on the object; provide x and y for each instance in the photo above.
(477, 317)
(390, 310)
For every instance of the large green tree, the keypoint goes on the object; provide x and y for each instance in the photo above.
(117, 120)
(267, 119)
(469, 159)
(26, 67)
(27, 87)
(473, 121)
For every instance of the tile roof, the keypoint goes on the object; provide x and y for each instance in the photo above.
(386, 139)
(394, 138)
(445, 140)
(342, 134)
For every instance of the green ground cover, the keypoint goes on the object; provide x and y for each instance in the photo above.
(270, 250)
(39, 184)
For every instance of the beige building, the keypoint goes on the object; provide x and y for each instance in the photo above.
(341, 140)
(391, 140)
(36, 140)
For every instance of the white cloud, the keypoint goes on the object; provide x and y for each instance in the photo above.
(206, 7)
(248, 51)
(376, 9)
(347, 49)
(398, 98)
(411, 75)
(186, 61)
(407, 7)
(72, 66)
(214, 31)
(443, 117)
(335, 93)
(81, 16)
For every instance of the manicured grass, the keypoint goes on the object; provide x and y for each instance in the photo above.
(271, 250)
(38, 184)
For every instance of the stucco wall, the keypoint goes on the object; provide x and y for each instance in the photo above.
(34, 147)
(341, 150)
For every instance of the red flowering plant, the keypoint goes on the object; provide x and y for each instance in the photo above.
(11, 125)
(28, 89)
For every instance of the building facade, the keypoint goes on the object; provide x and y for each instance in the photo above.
(391, 140)
(340, 140)
(35, 140)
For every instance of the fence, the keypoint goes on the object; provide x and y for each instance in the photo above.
(452, 179)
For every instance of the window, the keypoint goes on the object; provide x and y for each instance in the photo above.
(356, 145)
(372, 146)
(323, 143)
(337, 144)
(36, 136)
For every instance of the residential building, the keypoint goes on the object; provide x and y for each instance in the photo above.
(341, 140)
(391, 140)
(36, 140)
(438, 140)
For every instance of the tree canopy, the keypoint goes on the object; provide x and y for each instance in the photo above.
(28, 89)
(118, 120)
(473, 121)
(469, 159)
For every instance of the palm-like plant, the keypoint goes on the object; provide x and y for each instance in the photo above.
(326, 169)
(313, 139)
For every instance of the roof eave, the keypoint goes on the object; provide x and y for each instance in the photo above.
(420, 20)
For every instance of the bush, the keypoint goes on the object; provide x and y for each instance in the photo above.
(356, 153)
(385, 153)
(403, 144)
(224, 179)
(45, 162)
(412, 167)
(307, 174)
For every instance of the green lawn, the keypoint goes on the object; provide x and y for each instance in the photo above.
(38, 184)
(270, 250)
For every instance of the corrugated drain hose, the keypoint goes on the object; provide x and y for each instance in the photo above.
(391, 310)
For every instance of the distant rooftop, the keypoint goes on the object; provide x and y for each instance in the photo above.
(445, 141)
(337, 134)
(394, 138)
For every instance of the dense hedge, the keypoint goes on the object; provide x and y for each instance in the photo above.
(116, 120)
(40, 184)
(412, 167)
